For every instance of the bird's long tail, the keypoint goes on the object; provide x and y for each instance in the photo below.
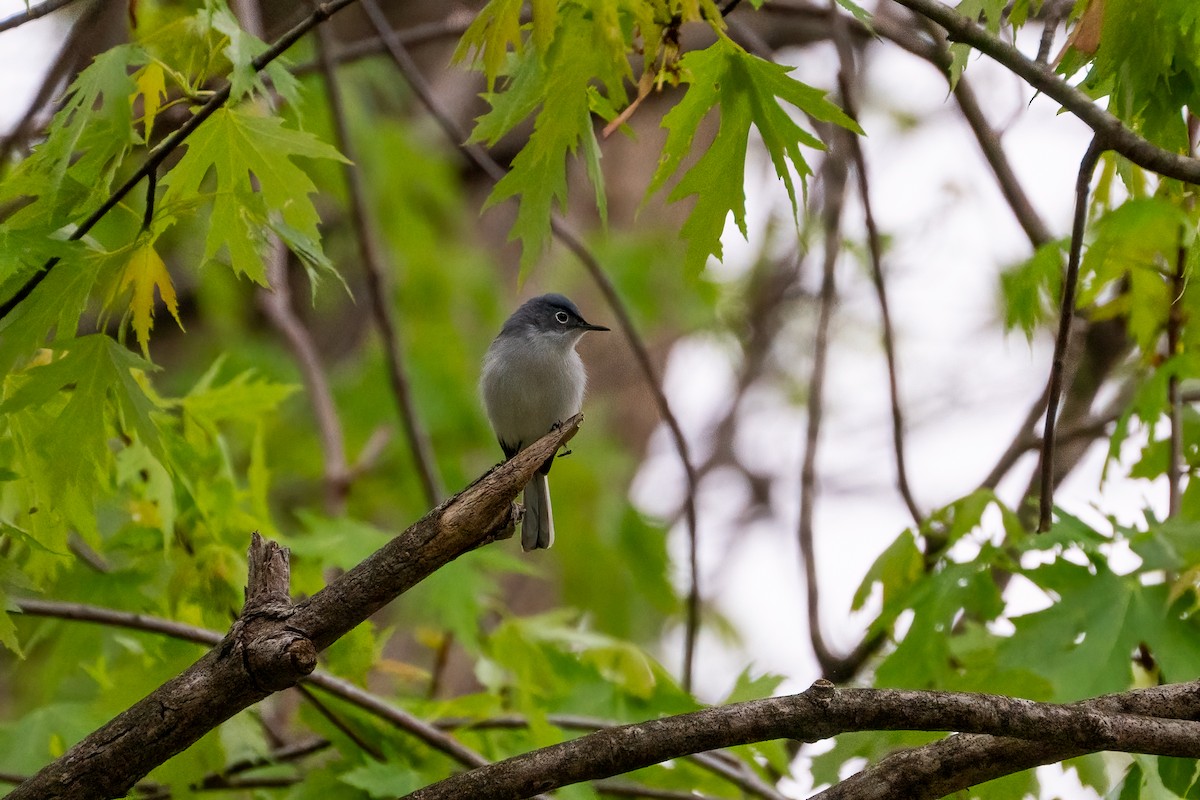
(537, 529)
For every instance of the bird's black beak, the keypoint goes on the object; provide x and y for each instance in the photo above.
(587, 326)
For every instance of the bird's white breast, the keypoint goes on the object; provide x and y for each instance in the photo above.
(540, 385)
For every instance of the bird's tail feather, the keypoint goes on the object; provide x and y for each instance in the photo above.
(537, 529)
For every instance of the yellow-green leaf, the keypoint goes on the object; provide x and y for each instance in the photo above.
(143, 272)
(151, 84)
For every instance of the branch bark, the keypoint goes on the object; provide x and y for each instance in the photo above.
(958, 762)
(274, 644)
(818, 713)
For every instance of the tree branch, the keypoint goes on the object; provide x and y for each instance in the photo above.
(841, 39)
(818, 713)
(959, 762)
(1105, 126)
(274, 644)
(373, 261)
(30, 14)
(484, 161)
(276, 303)
(1066, 314)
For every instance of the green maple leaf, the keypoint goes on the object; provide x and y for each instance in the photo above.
(558, 85)
(93, 370)
(747, 90)
(241, 50)
(244, 150)
(86, 142)
(1086, 638)
(495, 29)
(70, 439)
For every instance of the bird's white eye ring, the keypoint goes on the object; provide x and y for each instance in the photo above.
(562, 317)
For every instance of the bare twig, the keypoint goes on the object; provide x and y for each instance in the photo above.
(849, 102)
(414, 36)
(833, 185)
(337, 722)
(484, 161)
(1067, 313)
(65, 63)
(168, 145)
(32, 13)
(626, 789)
(1174, 401)
(1106, 126)
(377, 288)
(276, 303)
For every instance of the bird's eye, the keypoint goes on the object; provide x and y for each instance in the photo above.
(562, 317)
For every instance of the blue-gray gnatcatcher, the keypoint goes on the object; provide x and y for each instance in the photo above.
(532, 381)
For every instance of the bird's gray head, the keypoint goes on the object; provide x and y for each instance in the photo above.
(549, 315)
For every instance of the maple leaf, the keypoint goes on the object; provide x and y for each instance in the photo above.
(151, 85)
(60, 416)
(747, 90)
(560, 84)
(143, 272)
(241, 149)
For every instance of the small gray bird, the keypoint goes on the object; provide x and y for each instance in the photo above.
(532, 381)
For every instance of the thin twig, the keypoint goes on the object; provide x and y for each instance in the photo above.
(276, 303)
(626, 789)
(30, 14)
(875, 248)
(1019, 445)
(484, 161)
(168, 145)
(151, 188)
(1174, 401)
(342, 726)
(454, 26)
(1067, 313)
(833, 185)
(377, 285)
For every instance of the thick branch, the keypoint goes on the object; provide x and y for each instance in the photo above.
(818, 713)
(958, 762)
(272, 649)
(1106, 126)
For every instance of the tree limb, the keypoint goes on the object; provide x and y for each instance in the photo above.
(1105, 126)
(958, 762)
(32, 13)
(274, 644)
(1067, 313)
(818, 713)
